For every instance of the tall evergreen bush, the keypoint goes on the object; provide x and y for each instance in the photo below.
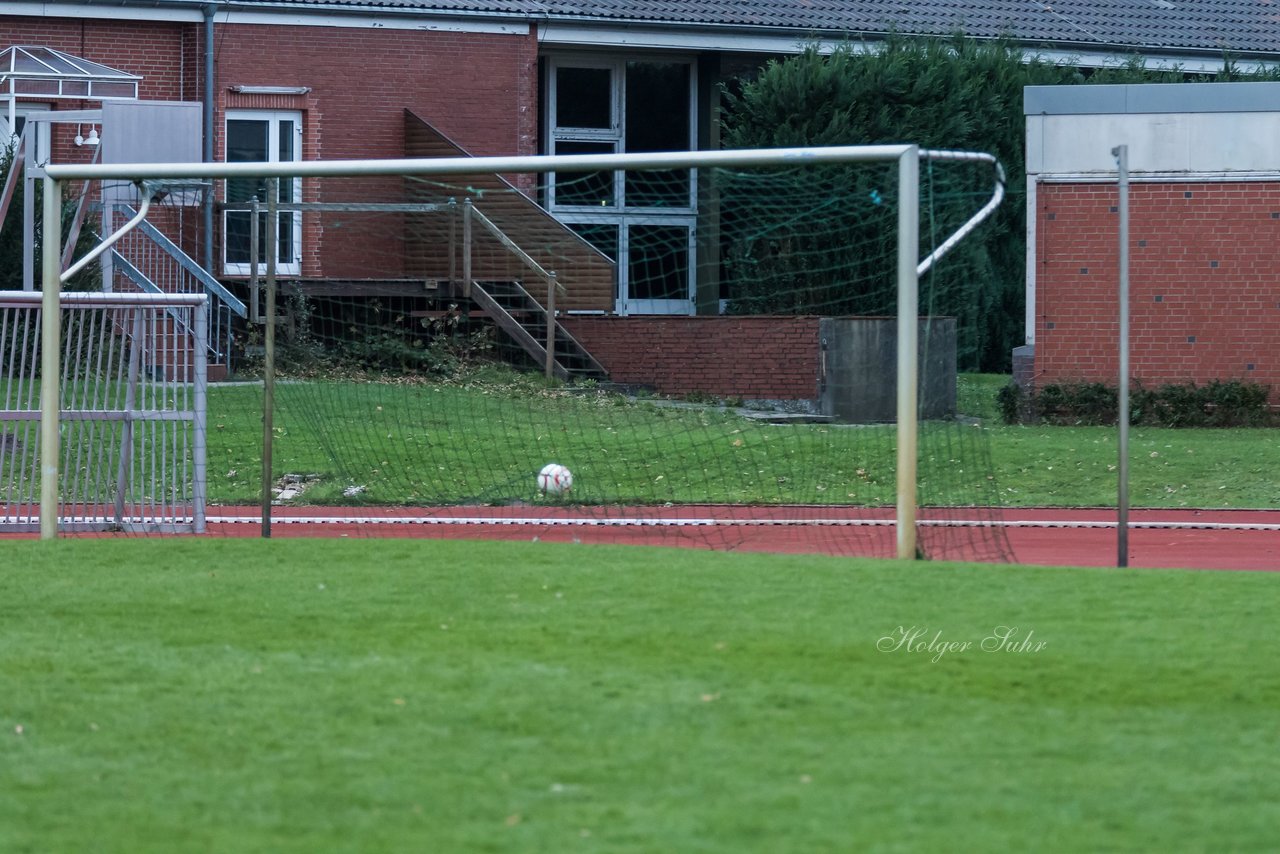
(956, 93)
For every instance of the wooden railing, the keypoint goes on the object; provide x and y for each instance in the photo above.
(469, 215)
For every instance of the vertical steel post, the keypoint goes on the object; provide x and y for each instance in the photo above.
(453, 245)
(200, 420)
(206, 127)
(51, 347)
(29, 185)
(124, 467)
(908, 344)
(551, 324)
(255, 296)
(466, 249)
(269, 355)
(1121, 153)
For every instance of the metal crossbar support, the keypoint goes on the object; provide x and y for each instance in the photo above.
(347, 207)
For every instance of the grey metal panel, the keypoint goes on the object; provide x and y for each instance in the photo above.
(1132, 99)
(1073, 100)
(1206, 98)
(151, 132)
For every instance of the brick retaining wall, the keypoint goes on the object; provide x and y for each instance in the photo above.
(773, 358)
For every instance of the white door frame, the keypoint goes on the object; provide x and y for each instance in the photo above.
(290, 189)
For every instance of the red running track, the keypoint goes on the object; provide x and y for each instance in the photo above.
(1194, 539)
(1199, 539)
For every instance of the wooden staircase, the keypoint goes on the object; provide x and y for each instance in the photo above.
(524, 319)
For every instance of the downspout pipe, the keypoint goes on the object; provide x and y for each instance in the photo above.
(209, 11)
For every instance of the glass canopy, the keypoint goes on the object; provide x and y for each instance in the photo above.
(42, 72)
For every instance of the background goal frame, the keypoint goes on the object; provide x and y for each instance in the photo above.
(908, 264)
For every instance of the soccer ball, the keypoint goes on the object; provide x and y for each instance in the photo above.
(554, 479)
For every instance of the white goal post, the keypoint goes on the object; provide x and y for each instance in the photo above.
(909, 264)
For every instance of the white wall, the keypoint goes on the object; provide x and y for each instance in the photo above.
(1204, 144)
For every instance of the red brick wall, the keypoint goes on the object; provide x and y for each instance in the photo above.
(474, 87)
(152, 50)
(480, 89)
(774, 358)
(1204, 280)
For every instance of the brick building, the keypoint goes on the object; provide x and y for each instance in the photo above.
(329, 79)
(1204, 247)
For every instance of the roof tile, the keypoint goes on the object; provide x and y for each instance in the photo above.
(1249, 26)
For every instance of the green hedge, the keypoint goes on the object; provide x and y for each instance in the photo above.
(1218, 403)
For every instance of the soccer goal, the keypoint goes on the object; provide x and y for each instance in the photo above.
(124, 450)
(741, 349)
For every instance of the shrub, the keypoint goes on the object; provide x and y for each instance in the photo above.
(1218, 403)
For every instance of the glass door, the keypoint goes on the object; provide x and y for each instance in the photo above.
(262, 137)
(659, 258)
(644, 220)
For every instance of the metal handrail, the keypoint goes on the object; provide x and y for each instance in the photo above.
(153, 290)
(190, 266)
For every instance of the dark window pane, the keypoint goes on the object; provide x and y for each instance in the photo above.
(658, 264)
(246, 143)
(584, 188)
(603, 236)
(238, 225)
(284, 244)
(584, 98)
(657, 106)
(658, 120)
(287, 131)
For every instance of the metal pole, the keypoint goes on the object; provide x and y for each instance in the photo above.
(551, 325)
(908, 335)
(255, 306)
(50, 347)
(1121, 153)
(207, 127)
(199, 447)
(124, 468)
(29, 185)
(466, 249)
(453, 245)
(269, 355)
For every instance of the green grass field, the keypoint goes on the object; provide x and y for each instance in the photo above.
(482, 440)
(455, 696)
(481, 437)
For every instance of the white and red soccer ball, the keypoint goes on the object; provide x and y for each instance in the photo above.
(554, 479)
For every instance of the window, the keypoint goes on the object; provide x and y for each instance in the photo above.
(644, 220)
(255, 136)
